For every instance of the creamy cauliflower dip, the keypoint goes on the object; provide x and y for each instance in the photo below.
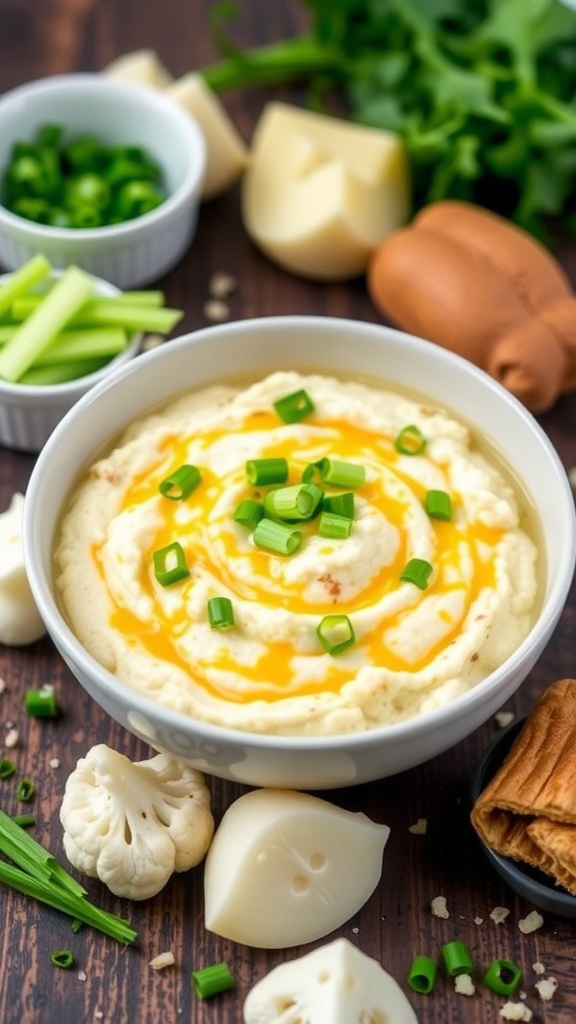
(426, 587)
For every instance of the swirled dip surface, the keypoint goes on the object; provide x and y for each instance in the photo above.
(415, 649)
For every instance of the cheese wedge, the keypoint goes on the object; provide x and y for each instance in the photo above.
(286, 868)
(321, 193)
(140, 67)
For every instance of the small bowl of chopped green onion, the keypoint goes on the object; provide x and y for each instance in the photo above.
(100, 174)
(62, 332)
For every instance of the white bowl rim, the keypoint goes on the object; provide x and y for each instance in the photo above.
(396, 733)
(187, 126)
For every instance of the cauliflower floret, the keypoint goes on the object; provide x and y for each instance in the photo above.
(132, 824)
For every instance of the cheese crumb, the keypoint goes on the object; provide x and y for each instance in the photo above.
(464, 985)
(531, 922)
(546, 988)
(516, 1011)
(438, 907)
(504, 718)
(538, 968)
(12, 738)
(2, 685)
(499, 914)
(82, 975)
(215, 309)
(167, 959)
(54, 762)
(419, 828)
(221, 285)
(478, 920)
(152, 341)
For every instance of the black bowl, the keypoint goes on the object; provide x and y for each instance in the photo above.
(533, 885)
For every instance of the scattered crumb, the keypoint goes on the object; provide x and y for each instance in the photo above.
(499, 914)
(82, 976)
(516, 1011)
(99, 1014)
(215, 309)
(438, 907)
(538, 968)
(54, 762)
(2, 685)
(464, 985)
(12, 738)
(167, 959)
(504, 718)
(478, 920)
(152, 341)
(222, 284)
(355, 931)
(419, 829)
(531, 922)
(546, 988)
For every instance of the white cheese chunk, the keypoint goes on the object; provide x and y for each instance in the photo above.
(20, 622)
(335, 984)
(226, 153)
(286, 868)
(139, 67)
(321, 193)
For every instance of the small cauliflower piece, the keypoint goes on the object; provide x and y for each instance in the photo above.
(20, 621)
(335, 984)
(314, 863)
(132, 824)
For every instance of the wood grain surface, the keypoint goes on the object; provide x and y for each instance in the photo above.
(114, 985)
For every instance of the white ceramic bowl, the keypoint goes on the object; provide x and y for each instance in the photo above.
(254, 347)
(136, 252)
(29, 414)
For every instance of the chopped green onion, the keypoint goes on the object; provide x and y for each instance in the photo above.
(278, 538)
(24, 820)
(335, 633)
(266, 471)
(311, 472)
(417, 571)
(503, 977)
(294, 407)
(55, 310)
(180, 483)
(422, 974)
(25, 791)
(7, 768)
(41, 703)
(220, 613)
(210, 981)
(299, 501)
(338, 527)
(249, 513)
(170, 564)
(410, 441)
(20, 280)
(438, 505)
(63, 958)
(342, 474)
(457, 958)
(340, 504)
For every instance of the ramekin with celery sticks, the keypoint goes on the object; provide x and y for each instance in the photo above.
(55, 327)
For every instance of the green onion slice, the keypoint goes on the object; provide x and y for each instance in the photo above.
(342, 474)
(24, 820)
(41, 703)
(299, 501)
(294, 407)
(422, 974)
(417, 571)
(335, 633)
(457, 958)
(180, 483)
(267, 471)
(210, 981)
(170, 564)
(276, 537)
(249, 513)
(331, 525)
(503, 977)
(340, 504)
(7, 768)
(410, 440)
(63, 958)
(25, 791)
(220, 613)
(311, 473)
(438, 505)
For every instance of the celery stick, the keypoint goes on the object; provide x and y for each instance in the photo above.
(146, 297)
(60, 373)
(81, 343)
(110, 312)
(54, 311)
(22, 279)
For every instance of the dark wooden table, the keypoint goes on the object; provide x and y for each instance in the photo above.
(116, 985)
